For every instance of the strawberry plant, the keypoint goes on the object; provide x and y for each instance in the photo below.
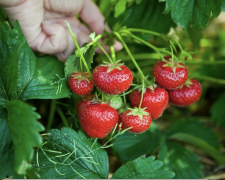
(147, 111)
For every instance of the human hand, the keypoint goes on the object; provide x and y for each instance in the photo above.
(42, 22)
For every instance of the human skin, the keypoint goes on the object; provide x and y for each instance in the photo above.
(42, 22)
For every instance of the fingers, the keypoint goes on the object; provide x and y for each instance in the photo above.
(81, 38)
(92, 16)
(52, 39)
(7, 3)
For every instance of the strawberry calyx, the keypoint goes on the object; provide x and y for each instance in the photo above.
(172, 64)
(111, 66)
(148, 84)
(81, 76)
(140, 112)
(187, 84)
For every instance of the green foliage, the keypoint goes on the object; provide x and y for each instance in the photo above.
(74, 62)
(181, 161)
(3, 15)
(142, 168)
(145, 15)
(217, 111)
(195, 128)
(130, 146)
(67, 154)
(6, 149)
(120, 7)
(195, 133)
(48, 81)
(24, 130)
(194, 12)
(23, 77)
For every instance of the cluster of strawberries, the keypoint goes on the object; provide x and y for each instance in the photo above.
(98, 118)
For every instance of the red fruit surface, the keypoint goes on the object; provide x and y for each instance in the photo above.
(83, 102)
(187, 95)
(114, 82)
(138, 125)
(97, 120)
(156, 101)
(80, 85)
(166, 78)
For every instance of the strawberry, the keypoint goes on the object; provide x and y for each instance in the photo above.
(83, 102)
(139, 119)
(170, 75)
(80, 84)
(155, 100)
(115, 101)
(98, 119)
(187, 94)
(112, 78)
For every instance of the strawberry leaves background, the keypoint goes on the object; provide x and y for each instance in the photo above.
(174, 140)
(23, 76)
(72, 156)
(193, 12)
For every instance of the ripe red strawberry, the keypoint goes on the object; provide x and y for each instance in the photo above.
(80, 84)
(83, 102)
(98, 119)
(186, 95)
(139, 120)
(112, 78)
(155, 100)
(170, 76)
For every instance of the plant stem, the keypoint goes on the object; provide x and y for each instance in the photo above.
(99, 45)
(124, 99)
(155, 56)
(142, 31)
(210, 79)
(51, 115)
(142, 94)
(78, 47)
(149, 44)
(59, 111)
(113, 53)
(204, 62)
(129, 53)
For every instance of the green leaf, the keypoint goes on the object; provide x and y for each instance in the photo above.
(217, 111)
(223, 5)
(67, 154)
(48, 81)
(23, 76)
(193, 12)
(145, 15)
(181, 161)
(196, 133)
(70, 65)
(11, 47)
(120, 7)
(3, 15)
(6, 148)
(195, 128)
(142, 168)
(3, 95)
(24, 128)
(195, 36)
(73, 63)
(130, 146)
